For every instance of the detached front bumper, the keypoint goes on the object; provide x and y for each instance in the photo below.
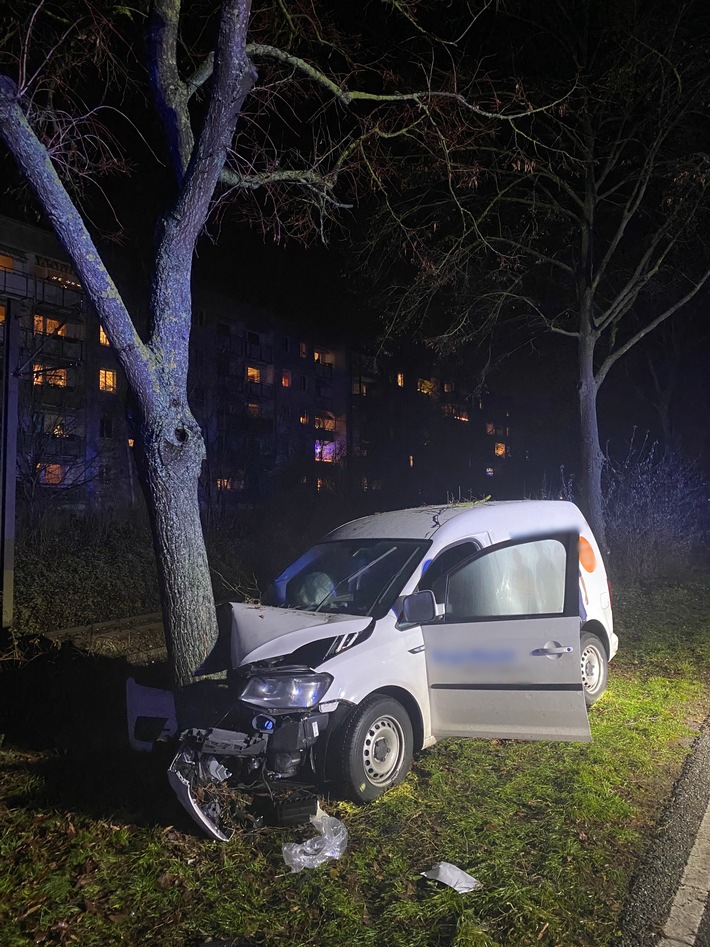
(216, 772)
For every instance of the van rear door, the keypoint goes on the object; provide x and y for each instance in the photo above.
(505, 660)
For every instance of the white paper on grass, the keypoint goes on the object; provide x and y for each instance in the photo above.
(452, 876)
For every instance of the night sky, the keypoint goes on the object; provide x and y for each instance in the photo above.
(311, 284)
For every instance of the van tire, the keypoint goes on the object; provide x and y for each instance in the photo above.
(595, 667)
(377, 748)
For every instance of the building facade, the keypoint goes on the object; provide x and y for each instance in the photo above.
(280, 408)
(420, 433)
(72, 442)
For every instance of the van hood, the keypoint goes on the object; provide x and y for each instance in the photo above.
(259, 632)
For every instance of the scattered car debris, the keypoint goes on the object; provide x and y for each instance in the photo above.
(452, 876)
(331, 842)
(220, 803)
(151, 715)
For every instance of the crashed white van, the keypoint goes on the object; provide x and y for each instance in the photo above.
(489, 619)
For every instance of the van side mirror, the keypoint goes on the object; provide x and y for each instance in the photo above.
(419, 608)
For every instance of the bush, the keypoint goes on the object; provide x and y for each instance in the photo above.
(656, 512)
(80, 571)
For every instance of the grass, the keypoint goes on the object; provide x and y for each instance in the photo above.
(94, 851)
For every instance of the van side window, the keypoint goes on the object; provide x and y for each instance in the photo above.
(524, 579)
(435, 576)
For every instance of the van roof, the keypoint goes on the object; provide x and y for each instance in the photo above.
(502, 519)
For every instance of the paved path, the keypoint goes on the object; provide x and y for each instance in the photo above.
(669, 905)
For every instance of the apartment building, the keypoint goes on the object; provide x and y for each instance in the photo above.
(271, 400)
(280, 408)
(420, 432)
(72, 443)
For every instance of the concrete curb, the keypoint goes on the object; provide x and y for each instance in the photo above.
(655, 905)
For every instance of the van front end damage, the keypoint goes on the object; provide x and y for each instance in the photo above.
(254, 762)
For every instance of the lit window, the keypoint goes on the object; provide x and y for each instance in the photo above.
(44, 326)
(51, 475)
(448, 387)
(286, 378)
(55, 377)
(364, 484)
(103, 338)
(426, 386)
(224, 483)
(324, 451)
(359, 388)
(325, 422)
(303, 350)
(253, 374)
(411, 460)
(131, 442)
(323, 485)
(253, 409)
(107, 379)
(461, 414)
(6, 262)
(2, 311)
(500, 449)
(304, 419)
(489, 471)
(490, 427)
(400, 379)
(323, 356)
(60, 428)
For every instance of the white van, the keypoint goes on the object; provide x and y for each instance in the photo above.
(488, 619)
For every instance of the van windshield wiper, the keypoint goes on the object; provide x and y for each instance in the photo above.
(350, 578)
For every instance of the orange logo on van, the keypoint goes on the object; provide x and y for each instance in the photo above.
(587, 559)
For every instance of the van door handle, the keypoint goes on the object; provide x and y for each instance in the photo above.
(547, 651)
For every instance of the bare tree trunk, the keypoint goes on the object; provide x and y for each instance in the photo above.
(592, 457)
(169, 464)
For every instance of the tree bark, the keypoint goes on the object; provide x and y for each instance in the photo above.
(170, 458)
(592, 456)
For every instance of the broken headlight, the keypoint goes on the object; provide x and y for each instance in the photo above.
(286, 690)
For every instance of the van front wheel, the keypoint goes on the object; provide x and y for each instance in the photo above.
(377, 748)
(595, 667)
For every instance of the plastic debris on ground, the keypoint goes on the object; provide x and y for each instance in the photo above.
(331, 842)
(452, 876)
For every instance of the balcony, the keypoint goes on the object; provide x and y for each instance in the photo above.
(69, 349)
(25, 286)
(259, 389)
(261, 353)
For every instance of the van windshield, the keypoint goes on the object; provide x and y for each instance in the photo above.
(347, 577)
